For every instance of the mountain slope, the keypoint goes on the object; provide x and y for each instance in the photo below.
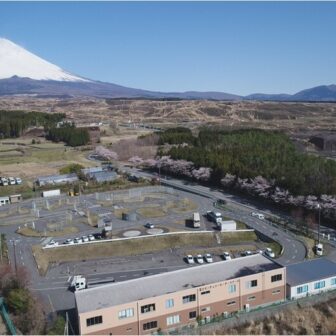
(22, 72)
(17, 61)
(318, 93)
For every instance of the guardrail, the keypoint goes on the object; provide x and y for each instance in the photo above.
(7, 319)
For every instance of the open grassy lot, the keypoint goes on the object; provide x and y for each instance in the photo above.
(134, 247)
(21, 158)
(151, 212)
(29, 232)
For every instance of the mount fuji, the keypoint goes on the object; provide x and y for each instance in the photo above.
(23, 73)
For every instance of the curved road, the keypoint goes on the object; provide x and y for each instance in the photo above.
(293, 249)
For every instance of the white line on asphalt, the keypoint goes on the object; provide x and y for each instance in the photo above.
(51, 304)
(122, 276)
(48, 289)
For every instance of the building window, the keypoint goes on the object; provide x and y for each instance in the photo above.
(205, 309)
(232, 288)
(277, 291)
(333, 282)
(189, 298)
(302, 289)
(252, 283)
(319, 285)
(251, 298)
(206, 292)
(231, 303)
(150, 325)
(276, 277)
(147, 308)
(173, 319)
(169, 303)
(126, 313)
(192, 315)
(94, 320)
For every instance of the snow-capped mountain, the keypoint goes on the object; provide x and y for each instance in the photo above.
(17, 61)
(22, 72)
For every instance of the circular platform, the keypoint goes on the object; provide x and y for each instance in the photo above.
(132, 233)
(154, 231)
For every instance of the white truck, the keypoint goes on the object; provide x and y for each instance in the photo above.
(77, 282)
(319, 249)
(196, 220)
(51, 193)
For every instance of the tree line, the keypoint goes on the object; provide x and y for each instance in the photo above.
(14, 123)
(251, 153)
(69, 134)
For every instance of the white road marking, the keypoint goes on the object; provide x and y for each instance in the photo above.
(122, 276)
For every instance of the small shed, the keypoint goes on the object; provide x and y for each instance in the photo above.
(227, 225)
(15, 198)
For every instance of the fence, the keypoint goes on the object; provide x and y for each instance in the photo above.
(8, 321)
(133, 193)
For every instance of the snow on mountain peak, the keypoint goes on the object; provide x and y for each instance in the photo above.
(17, 61)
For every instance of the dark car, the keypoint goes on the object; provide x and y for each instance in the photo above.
(149, 225)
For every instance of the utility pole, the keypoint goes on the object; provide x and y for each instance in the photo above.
(319, 223)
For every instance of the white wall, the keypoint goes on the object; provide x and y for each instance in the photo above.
(311, 290)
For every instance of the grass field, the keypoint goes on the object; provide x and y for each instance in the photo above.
(134, 247)
(29, 232)
(151, 212)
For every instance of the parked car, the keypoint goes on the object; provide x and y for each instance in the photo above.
(52, 243)
(226, 256)
(269, 252)
(190, 259)
(199, 259)
(85, 239)
(208, 258)
(246, 253)
(69, 242)
(4, 181)
(149, 225)
(18, 180)
(97, 235)
(91, 237)
(11, 180)
(77, 240)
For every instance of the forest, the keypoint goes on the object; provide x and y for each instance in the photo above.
(251, 153)
(14, 123)
(69, 134)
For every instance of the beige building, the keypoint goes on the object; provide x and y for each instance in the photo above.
(173, 299)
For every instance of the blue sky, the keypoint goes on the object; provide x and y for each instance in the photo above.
(235, 47)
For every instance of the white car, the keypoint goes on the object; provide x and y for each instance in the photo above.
(226, 256)
(11, 180)
(69, 242)
(91, 237)
(199, 259)
(269, 252)
(258, 215)
(77, 240)
(52, 243)
(247, 253)
(208, 258)
(190, 259)
(85, 239)
(18, 180)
